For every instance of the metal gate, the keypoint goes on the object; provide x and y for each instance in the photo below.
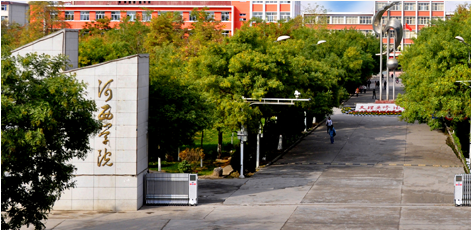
(171, 189)
(462, 190)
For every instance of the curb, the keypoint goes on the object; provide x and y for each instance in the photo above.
(460, 155)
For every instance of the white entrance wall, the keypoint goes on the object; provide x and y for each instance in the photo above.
(111, 177)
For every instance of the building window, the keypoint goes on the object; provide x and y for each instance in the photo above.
(423, 6)
(69, 15)
(409, 6)
(271, 2)
(99, 15)
(271, 16)
(115, 16)
(131, 15)
(210, 16)
(366, 20)
(337, 20)
(410, 20)
(438, 6)
(242, 19)
(4, 18)
(258, 2)
(257, 15)
(380, 5)
(396, 6)
(4, 8)
(53, 15)
(192, 18)
(147, 16)
(423, 20)
(409, 34)
(225, 16)
(384, 20)
(352, 20)
(366, 32)
(285, 16)
(225, 33)
(84, 16)
(284, 2)
(242, 15)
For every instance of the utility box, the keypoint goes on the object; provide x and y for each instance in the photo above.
(462, 190)
(171, 189)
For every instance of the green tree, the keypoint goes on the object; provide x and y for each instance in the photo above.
(431, 66)
(99, 44)
(165, 29)
(46, 121)
(177, 111)
(10, 34)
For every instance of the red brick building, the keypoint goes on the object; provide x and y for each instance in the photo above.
(232, 14)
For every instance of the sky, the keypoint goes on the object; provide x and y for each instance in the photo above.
(363, 6)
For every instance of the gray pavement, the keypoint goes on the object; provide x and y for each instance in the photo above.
(380, 173)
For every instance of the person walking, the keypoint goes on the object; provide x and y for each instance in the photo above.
(331, 130)
(357, 92)
(368, 83)
(385, 84)
(373, 94)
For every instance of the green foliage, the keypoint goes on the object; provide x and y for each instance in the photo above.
(185, 167)
(10, 34)
(46, 121)
(431, 66)
(99, 44)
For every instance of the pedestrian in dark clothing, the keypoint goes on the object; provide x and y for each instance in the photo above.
(385, 85)
(373, 94)
(368, 83)
(391, 76)
(331, 130)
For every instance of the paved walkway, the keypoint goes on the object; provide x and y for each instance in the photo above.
(362, 181)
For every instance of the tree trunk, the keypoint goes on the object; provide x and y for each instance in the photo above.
(201, 142)
(220, 143)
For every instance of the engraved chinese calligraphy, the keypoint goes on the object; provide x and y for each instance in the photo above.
(105, 114)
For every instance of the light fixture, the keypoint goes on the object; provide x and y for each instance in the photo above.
(283, 37)
(297, 94)
(461, 39)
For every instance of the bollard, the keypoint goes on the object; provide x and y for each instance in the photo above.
(279, 147)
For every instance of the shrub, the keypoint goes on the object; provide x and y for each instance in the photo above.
(185, 167)
(191, 155)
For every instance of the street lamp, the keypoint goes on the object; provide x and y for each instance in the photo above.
(297, 93)
(282, 38)
(285, 37)
(461, 40)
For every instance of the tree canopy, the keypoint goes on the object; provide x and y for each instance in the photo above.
(46, 121)
(432, 66)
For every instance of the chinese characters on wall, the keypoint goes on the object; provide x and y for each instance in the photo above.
(105, 116)
(378, 107)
